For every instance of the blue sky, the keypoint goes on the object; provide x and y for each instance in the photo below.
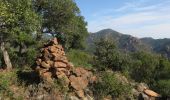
(140, 18)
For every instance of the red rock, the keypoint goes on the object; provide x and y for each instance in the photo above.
(41, 70)
(46, 54)
(45, 65)
(64, 60)
(59, 47)
(80, 71)
(60, 74)
(78, 83)
(60, 65)
(52, 49)
(60, 58)
(61, 69)
(51, 63)
(83, 73)
(54, 64)
(80, 93)
(151, 93)
(47, 76)
(56, 55)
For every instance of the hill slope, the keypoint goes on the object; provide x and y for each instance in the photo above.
(130, 43)
(124, 42)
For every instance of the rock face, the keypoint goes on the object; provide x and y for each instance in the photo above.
(142, 92)
(52, 63)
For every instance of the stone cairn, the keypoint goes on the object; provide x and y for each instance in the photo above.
(53, 63)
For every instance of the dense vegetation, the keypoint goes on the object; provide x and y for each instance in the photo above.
(25, 25)
(141, 66)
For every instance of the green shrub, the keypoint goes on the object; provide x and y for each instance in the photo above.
(6, 80)
(164, 87)
(144, 66)
(26, 59)
(110, 85)
(80, 58)
(30, 56)
(108, 56)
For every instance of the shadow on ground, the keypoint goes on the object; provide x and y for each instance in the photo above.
(28, 77)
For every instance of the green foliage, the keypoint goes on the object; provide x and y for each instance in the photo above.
(63, 16)
(6, 80)
(161, 76)
(162, 72)
(144, 66)
(80, 58)
(163, 87)
(30, 56)
(110, 85)
(108, 56)
(19, 20)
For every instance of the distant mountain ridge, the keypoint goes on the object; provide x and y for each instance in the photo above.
(130, 43)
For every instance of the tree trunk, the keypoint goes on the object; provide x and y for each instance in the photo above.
(6, 56)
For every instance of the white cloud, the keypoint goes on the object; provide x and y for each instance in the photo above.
(136, 19)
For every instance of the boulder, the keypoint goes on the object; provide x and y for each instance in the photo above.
(59, 58)
(80, 93)
(46, 52)
(151, 93)
(78, 83)
(47, 76)
(45, 65)
(52, 49)
(60, 74)
(61, 69)
(59, 65)
(51, 63)
(80, 71)
(141, 87)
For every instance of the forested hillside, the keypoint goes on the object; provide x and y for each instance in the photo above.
(47, 54)
(130, 43)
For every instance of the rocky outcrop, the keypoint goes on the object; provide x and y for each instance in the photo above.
(142, 92)
(52, 63)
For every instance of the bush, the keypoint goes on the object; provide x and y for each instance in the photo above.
(31, 54)
(108, 56)
(164, 87)
(144, 66)
(80, 58)
(110, 85)
(6, 80)
(26, 59)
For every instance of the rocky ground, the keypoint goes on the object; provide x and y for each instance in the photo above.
(52, 65)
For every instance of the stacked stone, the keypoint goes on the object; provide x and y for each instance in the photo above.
(52, 63)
